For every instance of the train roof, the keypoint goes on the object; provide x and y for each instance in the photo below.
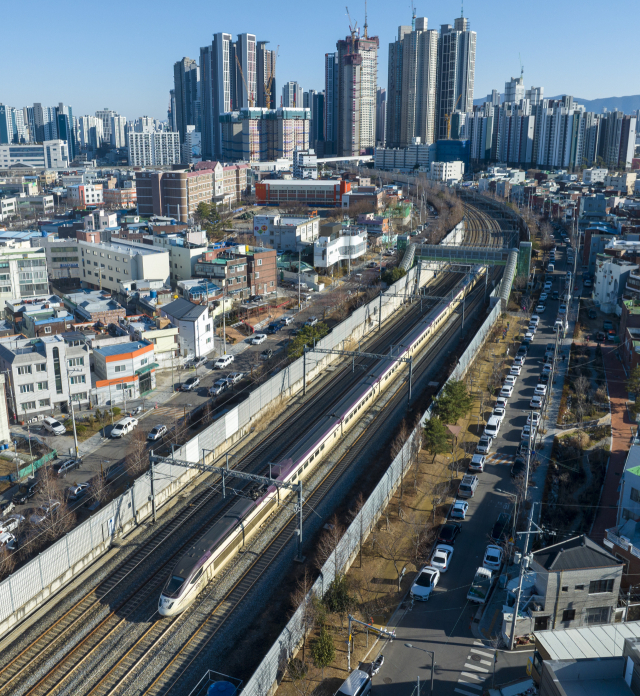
(202, 548)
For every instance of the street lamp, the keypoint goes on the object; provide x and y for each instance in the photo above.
(433, 658)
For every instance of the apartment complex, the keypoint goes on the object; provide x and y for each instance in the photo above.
(84, 195)
(240, 271)
(23, 273)
(106, 265)
(156, 149)
(45, 374)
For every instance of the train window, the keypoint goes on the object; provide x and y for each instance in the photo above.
(322, 446)
(306, 464)
(196, 577)
(173, 586)
(317, 452)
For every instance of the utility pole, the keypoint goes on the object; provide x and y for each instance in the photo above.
(523, 561)
(224, 324)
(299, 261)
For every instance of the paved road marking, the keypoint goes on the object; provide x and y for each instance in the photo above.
(466, 693)
(479, 677)
(480, 652)
(477, 642)
(486, 662)
(469, 684)
(478, 669)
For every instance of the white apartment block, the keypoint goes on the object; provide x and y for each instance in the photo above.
(51, 154)
(84, 194)
(348, 246)
(448, 172)
(118, 125)
(285, 232)
(106, 265)
(8, 208)
(305, 164)
(23, 273)
(594, 175)
(154, 149)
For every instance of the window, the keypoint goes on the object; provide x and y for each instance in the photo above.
(26, 388)
(47, 329)
(257, 275)
(78, 379)
(598, 586)
(120, 368)
(144, 361)
(635, 495)
(41, 367)
(73, 362)
(207, 328)
(28, 405)
(569, 615)
(42, 386)
(597, 615)
(565, 588)
(80, 396)
(579, 587)
(259, 262)
(24, 370)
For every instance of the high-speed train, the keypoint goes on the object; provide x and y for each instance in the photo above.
(208, 555)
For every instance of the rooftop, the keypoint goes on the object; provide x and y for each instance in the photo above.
(121, 348)
(574, 554)
(606, 640)
(183, 309)
(131, 248)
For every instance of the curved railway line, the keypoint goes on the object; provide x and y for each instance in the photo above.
(95, 623)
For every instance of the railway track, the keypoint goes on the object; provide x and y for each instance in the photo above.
(87, 611)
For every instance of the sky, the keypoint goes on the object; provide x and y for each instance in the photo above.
(120, 54)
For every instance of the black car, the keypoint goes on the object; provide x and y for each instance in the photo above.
(593, 314)
(501, 528)
(25, 492)
(544, 378)
(518, 467)
(523, 350)
(449, 532)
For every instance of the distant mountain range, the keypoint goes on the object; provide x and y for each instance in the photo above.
(625, 104)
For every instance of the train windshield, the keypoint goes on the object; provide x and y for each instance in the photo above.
(173, 586)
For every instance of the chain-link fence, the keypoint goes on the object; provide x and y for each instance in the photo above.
(32, 584)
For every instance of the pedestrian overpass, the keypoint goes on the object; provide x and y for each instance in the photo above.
(469, 255)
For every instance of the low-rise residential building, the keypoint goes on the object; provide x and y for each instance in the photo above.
(622, 182)
(610, 281)
(23, 273)
(325, 192)
(94, 306)
(375, 224)
(594, 175)
(338, 245)
(120, 197)
(63, 256)
(199, 291)
(99, 220)
(43, 205)
(182, 256)
(446, 172)
(286, 232)
(305, 164)
(8, 208)
(45, 374)
(569, 584)
(160, 332)
(82, 195)
(240, 271)
(370, 196)
(15, 308)
(46, 322)
(106, 265)
(123, 371)
(194, 325)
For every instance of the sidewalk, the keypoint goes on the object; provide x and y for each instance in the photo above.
(622, 431)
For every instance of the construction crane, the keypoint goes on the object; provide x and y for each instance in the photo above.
(269, 82)
(352, 27)
(448, 117)
(249, 95)
(366, 25)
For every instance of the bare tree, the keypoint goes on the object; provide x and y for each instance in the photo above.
(99, 489)
(392, 547)
(58, 522)
(137, 459)
(329, 542)
(439, 495)
(353, 513)
(582, 387)
(7, 561)
(397, 448)
(303, 599)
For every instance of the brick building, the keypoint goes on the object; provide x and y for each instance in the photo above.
(240, 271)
(120, 198)
(324, 192)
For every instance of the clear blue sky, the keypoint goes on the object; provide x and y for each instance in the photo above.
(120, 54)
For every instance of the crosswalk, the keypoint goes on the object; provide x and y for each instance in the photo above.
(477, 668)
(499, 458)
(166, 413)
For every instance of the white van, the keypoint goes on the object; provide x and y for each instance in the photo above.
(54, 426)
(126, 425)
(358, 683)
(492, 427)
(551, 268)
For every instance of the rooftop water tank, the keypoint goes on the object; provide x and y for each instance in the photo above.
(154, 294)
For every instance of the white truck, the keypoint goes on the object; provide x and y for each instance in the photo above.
(481, 585)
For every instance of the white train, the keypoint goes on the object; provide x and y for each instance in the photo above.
(207, 556)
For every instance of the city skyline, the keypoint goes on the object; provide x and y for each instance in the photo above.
(92, 85)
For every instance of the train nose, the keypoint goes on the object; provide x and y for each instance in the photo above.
(164, 606)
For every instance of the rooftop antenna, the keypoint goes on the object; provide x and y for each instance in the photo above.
(462, 9)
(521, 69)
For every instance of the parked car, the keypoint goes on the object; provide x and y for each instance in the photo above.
(547, 285)
(459, 509)
(543, 297)
(527, 432)
(449, 532)
(535, 420)
(593, 314)
(492, 557)
(506, 391)
(274, 327)
(536, 401)
(266, 354)
(499, 412)
(76, 492)
(519, 360)
(124, 426)
(528, 337)
(468, 485)
(601, 336)
(63, 467)
(541, 389)
(441, 558)
(540, 308)
(535, 319)
(53, 426)
(511, 380)
(611, 335)
(484, 445)
(223, 361)
(41, 514)
(234, 378)
(157, 432)
(199, 362)
(7, 539)
(11, 523)
(286, 320)
(218, 387)
(311, 321)
(190, 384)
(26, 491)
(424, 583)
(515, 370)
(258, 339)
(555, 295)
(501, 402)
(562, 309)
(587, 284)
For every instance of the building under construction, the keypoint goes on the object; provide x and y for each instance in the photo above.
(264, 135)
